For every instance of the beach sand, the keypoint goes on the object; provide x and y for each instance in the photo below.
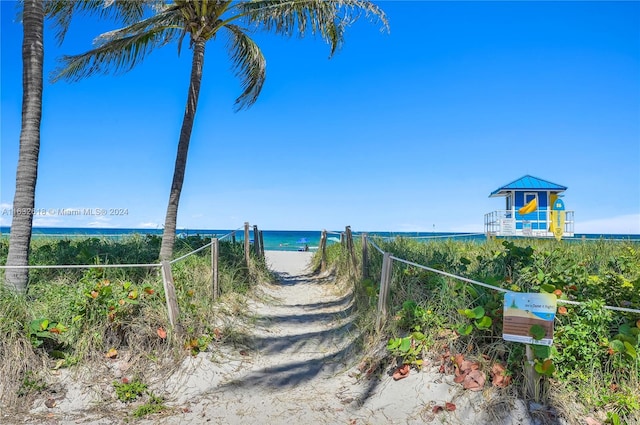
(299, 365)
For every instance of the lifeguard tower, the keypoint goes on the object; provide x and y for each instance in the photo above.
(532, 209)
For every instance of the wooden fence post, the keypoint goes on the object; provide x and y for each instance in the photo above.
(233, 237)
(385, 284)
(323, 250)
(246, 243)
(350, 249)
(170, 294)
(256, 241)
(261, 245)
(365, 257)
(215, 253)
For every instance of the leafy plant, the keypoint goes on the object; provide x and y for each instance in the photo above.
(128, 391)
(412, 316)
(154, 405)
(197, 345)
(43, 330)
(480, 320)
(409, 348)
(595, 350)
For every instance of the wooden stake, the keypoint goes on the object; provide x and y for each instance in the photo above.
(365, 257)
(323, 250)
(170, 294)
(247, 255)
(385, 280)
(215, 253)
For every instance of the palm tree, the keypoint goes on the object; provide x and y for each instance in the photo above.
(33, 15)
(120, 50)
(24, 198)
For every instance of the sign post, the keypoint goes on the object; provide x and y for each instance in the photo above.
(524, 311)
(528, 318)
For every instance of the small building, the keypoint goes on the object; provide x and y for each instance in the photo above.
(529, 208)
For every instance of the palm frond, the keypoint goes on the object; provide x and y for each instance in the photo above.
(119, 51)
(168, 17)
(126, 11)
(328, 18)
(249, 65)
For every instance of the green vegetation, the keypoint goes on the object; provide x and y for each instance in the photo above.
(594, 359)
(84, 316)
(128, 391)
(154, 405)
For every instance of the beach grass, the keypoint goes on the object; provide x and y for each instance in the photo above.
(80, 316)
(593, 367)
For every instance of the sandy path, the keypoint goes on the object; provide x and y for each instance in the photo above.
(297, 368)
(293, 366)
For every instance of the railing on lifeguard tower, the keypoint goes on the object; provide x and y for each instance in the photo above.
(534, 224)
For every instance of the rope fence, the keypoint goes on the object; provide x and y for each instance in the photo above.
(385, 281)
(165, 267)
(190, 253)
(82, 266)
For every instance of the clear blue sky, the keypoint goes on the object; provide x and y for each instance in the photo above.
(406, 131)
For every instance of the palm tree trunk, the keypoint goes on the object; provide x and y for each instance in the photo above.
(170, 221)
(27, 172)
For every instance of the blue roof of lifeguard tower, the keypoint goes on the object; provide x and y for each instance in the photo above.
(528, 182)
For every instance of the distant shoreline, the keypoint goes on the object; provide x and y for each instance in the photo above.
(279, 239)
(194, 231)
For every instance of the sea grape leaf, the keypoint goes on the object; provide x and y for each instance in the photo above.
(34, 325)
(617, 346)
(625, 330)
(418, 336)
(541, 351)
(465, 329)
(630, 350)
(466, 312)
(626, 338)
(393, 343)
(484, 323)
(547, 287)
(478, 312)
(61, 328)
(405, 345)
(545, 368)
(537, 332)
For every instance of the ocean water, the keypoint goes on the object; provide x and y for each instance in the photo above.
(276, 240)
